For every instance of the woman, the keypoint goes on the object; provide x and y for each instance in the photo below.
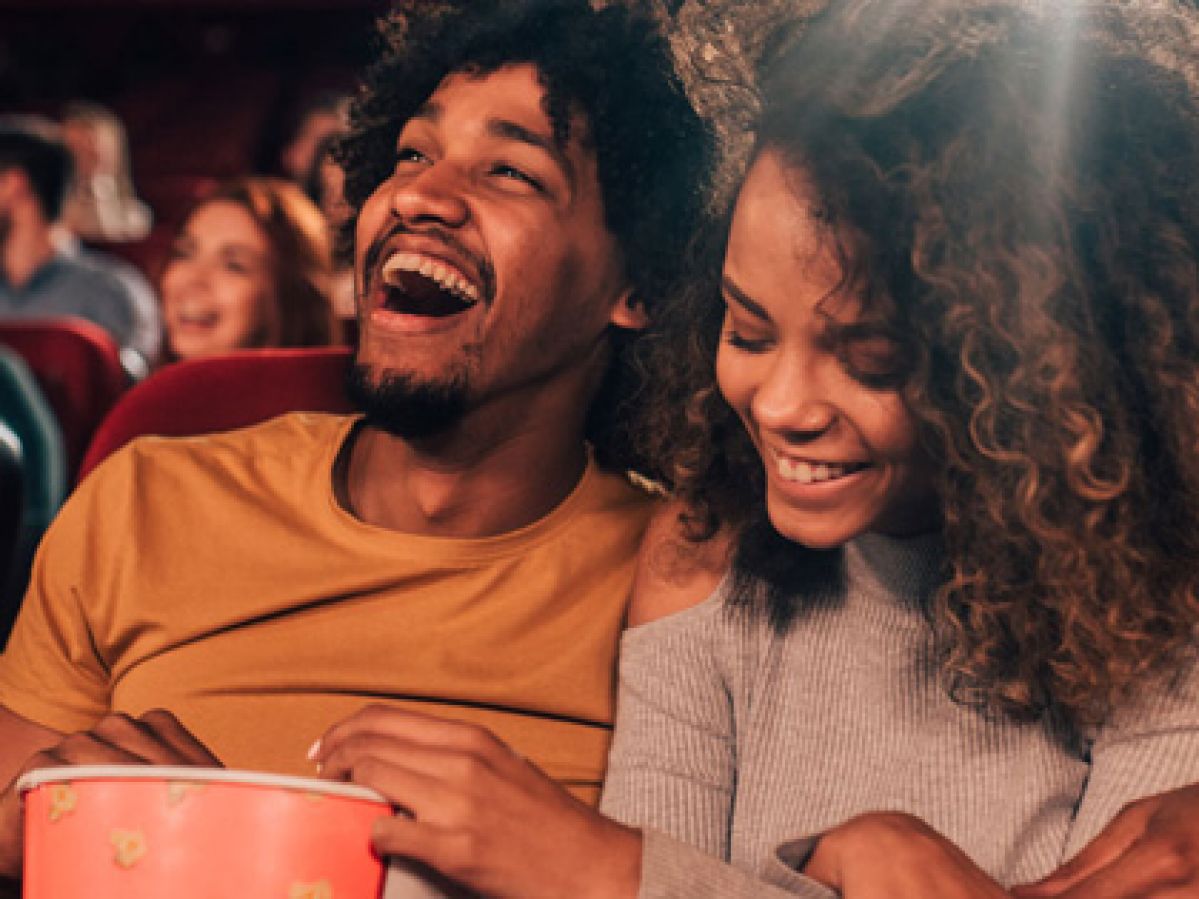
(936, 556)
(250, 268)
(956, 363)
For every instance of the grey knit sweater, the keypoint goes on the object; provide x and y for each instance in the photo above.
(735, 746)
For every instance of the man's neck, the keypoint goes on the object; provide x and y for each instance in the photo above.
(27, 248)
(473, 482)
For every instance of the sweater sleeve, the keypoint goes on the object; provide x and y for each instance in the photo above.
(1149, 746)
(671, 770)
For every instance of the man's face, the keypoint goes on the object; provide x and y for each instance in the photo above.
(10, 183)
(484, 269)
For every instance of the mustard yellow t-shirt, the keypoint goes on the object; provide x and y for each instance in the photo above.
(219, 578)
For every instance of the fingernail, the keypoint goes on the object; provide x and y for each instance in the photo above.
(314, 749)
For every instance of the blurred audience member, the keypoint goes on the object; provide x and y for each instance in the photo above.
(324, 113)
(41, 276)
(325, 184)
(102, 205)
(250, 268)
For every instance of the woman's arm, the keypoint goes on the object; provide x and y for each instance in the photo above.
(673, 572)
(671, 769)
(1136, 831)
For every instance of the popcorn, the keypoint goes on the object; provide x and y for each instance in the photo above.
(62, 800)
(130, 846)
(319, 890)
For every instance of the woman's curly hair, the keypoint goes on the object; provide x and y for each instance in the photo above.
(1022, 186)
(653, 152)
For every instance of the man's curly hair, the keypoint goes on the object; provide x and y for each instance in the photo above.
(1018, 183)
(612, 66)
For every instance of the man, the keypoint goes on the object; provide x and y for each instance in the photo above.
(43, 270)
(526, 178)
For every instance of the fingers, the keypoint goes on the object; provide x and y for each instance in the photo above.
(1149, 868)
(155, 738)
(1113, 842)
(412, 728)
(174, 743)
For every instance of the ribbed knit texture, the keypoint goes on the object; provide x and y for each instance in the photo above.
(738, 742)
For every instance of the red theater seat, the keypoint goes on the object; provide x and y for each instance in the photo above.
(224, 392)
(78, 366)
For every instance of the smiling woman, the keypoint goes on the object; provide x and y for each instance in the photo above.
(250, 267)
(938, 528)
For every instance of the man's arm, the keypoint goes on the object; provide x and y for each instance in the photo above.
(20, 740)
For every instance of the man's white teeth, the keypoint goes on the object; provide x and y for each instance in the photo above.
(810, 472)
(445, 277)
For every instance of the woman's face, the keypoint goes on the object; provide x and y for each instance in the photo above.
(217, 287)
(840, 449)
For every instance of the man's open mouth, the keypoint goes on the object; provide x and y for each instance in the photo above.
(415, 284)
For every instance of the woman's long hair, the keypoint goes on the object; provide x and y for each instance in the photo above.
(1021, 186)
(299, 312)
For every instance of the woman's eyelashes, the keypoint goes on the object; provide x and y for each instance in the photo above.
(749, 337)
(871, 354)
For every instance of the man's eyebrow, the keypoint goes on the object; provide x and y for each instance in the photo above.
(509, 130)
(739, 296)
(429, 110)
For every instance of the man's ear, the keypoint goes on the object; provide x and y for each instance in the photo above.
(629, 312)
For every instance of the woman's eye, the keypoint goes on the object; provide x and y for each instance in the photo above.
(877, 360)
(737, 340)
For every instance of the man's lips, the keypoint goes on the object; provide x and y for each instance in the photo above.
(433, 260)
(417, 274)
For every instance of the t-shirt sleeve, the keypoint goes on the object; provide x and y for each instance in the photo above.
(1149, 746)
(51, 671)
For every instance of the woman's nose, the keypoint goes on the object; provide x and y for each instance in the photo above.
(433, 196)
(793, 400)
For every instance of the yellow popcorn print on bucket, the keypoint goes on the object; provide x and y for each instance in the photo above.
(322, 889)
(177, 791)
(129, 845)
(62, 800)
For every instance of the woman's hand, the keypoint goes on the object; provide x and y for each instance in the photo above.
(478, 813)
(1148, 851)
(892, 855)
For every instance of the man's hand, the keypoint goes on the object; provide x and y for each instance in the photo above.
(480, 814)
(892, 855)
(1148, 851)
(156, 738)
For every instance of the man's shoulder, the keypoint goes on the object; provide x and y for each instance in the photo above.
(73, 285)
(287, 445)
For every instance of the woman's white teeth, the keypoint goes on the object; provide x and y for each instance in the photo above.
(445, 277)
(810, 472)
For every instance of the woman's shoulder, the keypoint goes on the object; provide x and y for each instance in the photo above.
(674, 570)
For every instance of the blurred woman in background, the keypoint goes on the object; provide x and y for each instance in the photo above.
(250, 267)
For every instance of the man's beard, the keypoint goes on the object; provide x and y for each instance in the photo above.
(400, 405)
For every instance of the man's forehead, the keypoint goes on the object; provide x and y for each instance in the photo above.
(524, 83)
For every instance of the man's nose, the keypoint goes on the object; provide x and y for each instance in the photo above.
(433, 196)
